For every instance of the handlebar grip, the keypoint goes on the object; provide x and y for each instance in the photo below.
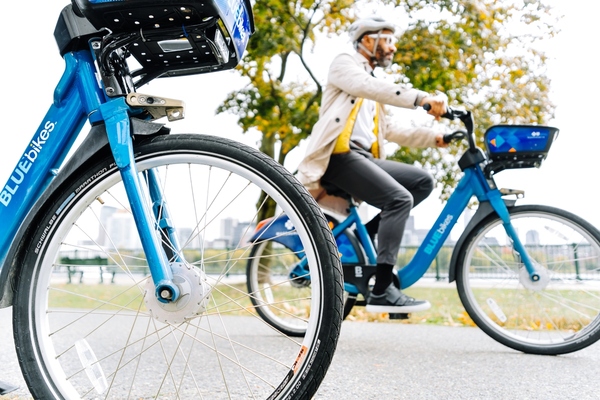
(449, 114)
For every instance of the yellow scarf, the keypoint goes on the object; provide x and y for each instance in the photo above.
(342, 145)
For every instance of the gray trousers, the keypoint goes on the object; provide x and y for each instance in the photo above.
(393, 187)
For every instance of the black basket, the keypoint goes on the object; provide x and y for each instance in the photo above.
(175, 37)
(518, 146)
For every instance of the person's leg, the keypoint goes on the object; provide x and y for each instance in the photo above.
(417, 181)
(369, 180)
(359, 175)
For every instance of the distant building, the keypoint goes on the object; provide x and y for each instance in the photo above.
(121, 230)
(189, 238)
(234, 232)
(106, 213)
(532, 238)
(242, 233)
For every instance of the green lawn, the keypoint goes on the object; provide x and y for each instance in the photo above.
(446, 307)
(233, 300)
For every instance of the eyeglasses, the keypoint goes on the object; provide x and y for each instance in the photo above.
(385, 38)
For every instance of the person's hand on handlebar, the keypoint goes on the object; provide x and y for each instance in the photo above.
(437, 105)
(440, 142)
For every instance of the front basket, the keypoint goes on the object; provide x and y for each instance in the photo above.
(518, 146)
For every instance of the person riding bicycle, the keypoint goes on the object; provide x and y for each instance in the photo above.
(346, 149)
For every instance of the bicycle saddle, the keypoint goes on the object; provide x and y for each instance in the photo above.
(333, 190)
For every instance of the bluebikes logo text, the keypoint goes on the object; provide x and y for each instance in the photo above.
(438, 234)
(20, 172)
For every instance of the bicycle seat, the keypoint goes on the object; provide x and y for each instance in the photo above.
(333, 199)
(333, 190)
(175, 37)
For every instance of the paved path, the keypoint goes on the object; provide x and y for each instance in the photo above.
(398, 361)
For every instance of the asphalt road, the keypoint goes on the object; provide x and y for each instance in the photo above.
(397, 361)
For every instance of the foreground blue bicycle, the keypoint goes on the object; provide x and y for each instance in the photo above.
(529, 276)
(147, 206)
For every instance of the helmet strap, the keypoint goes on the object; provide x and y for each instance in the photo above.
(372, 54)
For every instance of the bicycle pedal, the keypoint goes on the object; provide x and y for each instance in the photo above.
(399, 316)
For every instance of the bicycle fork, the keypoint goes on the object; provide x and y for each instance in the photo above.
(116, 117)
(500, 207)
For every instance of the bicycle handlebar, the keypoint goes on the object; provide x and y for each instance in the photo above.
(466, 118)
(456, 135)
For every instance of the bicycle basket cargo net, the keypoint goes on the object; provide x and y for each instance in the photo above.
(176, 37)
(518, 146)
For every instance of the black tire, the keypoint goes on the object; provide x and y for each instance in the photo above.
(556, 315)
(85, 340)
(280, 300)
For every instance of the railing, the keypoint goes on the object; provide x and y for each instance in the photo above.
(566, 260)
(578, 261)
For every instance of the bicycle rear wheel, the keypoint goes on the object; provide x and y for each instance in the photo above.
(93, 339)
(283, 300)
(556, 315)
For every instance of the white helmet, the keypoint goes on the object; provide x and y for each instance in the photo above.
(368, 25)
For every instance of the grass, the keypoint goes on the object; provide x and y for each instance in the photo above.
(446, 307)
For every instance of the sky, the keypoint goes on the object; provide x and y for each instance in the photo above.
(568, 179)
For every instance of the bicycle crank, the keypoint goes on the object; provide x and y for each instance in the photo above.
(191, 303)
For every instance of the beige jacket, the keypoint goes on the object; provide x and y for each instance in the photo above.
(350, 78)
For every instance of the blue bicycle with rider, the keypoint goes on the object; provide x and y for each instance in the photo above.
(527, 275)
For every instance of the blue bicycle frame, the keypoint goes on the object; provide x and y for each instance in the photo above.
(78, 95)
(473, 183)
(86, 92)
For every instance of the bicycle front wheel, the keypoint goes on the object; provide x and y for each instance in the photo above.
(79, 336)
(557, 314)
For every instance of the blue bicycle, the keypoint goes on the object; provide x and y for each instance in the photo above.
(529, 276)
(146, 206)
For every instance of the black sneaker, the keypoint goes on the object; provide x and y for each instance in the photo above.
(394, 301)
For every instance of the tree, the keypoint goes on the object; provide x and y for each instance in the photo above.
(480, 52)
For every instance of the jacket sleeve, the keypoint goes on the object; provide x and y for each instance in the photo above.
(420, 137)
(350, 77)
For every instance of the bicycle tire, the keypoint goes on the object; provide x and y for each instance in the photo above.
(558, 314)
(279, 299)
(82, 340)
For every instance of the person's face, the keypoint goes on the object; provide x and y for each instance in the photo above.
(383, 45)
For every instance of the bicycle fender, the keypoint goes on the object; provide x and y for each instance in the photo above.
(482, 212)
(94, 145)
(279, 230)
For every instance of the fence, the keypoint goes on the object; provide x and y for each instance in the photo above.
(573, 261)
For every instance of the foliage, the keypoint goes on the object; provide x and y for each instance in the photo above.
(481, 53)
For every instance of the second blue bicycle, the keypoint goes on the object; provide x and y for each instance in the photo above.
(527, 275)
